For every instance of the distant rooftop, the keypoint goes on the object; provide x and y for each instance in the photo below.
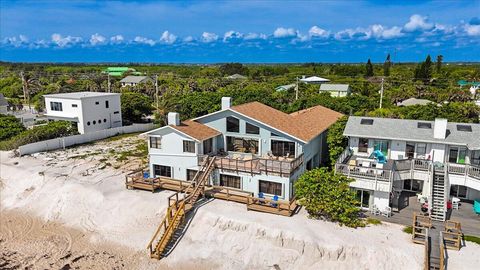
(314, 79)
(414, 101)
(135, 79)
(80, 95)
(334, 87)
(236, 76)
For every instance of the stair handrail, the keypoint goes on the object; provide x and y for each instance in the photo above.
(443, 253)
(181, 209)
(202, 180)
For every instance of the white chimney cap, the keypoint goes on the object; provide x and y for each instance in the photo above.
(440, 128)
(226, 103)
(173, 119)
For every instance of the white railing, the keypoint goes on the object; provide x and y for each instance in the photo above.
(473, 171)
(421, 164)
(464, 169)
(364, 172)
(346, 153)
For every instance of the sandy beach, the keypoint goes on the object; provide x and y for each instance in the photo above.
(70, 209)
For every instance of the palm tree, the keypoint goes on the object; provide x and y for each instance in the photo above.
(30, 85)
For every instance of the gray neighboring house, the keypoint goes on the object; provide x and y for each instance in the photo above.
(3, 104)
(335, 90)
(438, 160)
(135, 80)
(413, 101)
(236, 77)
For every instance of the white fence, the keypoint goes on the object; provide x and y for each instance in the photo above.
(59, 143)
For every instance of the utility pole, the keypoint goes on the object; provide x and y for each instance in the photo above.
(156, 91)
(381, 94)
(296, 90)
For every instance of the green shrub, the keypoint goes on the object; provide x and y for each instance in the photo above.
(374, 221)
(328, 195)
(40, 133)
(408, 229)
(9, 126)
(471, 238)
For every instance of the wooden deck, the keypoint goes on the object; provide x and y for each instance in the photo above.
(280, 207)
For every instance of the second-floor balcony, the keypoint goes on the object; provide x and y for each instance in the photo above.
(248, 163)
(367, 168)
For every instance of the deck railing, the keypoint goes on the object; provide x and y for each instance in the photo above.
(364, 172)
(271, 205)
(256, 165)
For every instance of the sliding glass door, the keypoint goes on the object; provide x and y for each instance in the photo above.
(363, 196)
(382, 146)
(457, 155)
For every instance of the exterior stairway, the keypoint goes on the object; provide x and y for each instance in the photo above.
(439, 195)
(178, 207)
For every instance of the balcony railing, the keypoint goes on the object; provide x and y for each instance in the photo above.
(254, 165)
(344, 166)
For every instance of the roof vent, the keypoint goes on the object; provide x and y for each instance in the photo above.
(424, 125)
(440, 129)
(366, 122)
(466, 128)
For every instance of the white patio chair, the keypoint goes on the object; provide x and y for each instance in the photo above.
(455, 205)
(387, 212)
(375, 211)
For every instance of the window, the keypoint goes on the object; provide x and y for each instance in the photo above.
(116, 112)
(382, 146)
(274, 134)
(270, 187)
(457, 155)
(413, 185)
(466, 128)
(99, 121)
(104, 120)
(252, 129)
(475, 160)
(233, 124)
(191, 174)
(363, 196)
(96, 102)
(94, 122)
(410, 150)
(56, 106)
(156, 142)
(363, 145)
(88, 123)
(243, 145)
(421, 150)
(366, 122)
(458, 191)
(208, 146)
(283, 148)
(424, 125)
(74, 105)
(309, 165)
(160, 170)
(188, 147)
(230, 181)
(106, 104)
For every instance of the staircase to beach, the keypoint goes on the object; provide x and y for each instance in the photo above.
(172, 226)
(439, 195)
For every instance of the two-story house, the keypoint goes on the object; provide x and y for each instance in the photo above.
(436, 159)
(257, 148)
(89, 111)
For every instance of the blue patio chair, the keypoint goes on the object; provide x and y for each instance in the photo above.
(261, 196)
(146, 175)
(476, 207)
(380, 157)
(275, 199)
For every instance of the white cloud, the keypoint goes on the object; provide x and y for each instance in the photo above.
(316, 31)
(61, 41)
(168, 38)
(16, 41)
(417, 22)
(144, 40)
(117, 39)
(250, 36)
(209, 37)
(96, 39)
(380, 32)
(232, 35)
(284, 32)
(188, 39)
(472, 30)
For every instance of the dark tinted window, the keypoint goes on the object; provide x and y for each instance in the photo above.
(252, 129)
(233, 124)
(366, 122)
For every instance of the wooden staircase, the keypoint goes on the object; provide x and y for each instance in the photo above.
(179, 204)
(438, 195)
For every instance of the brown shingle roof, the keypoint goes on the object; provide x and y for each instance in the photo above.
(305, 124)
(196, 130)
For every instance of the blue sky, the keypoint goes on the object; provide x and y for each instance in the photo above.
(241, 31)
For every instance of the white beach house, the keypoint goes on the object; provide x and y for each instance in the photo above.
(257, 148)
(436, 159)
(89, 111)
(335, 90)
(135, 80)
